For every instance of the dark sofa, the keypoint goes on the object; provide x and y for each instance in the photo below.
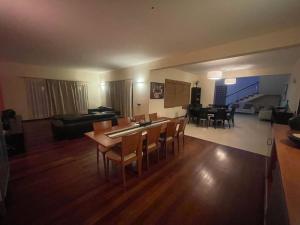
(75, 125)
(13, 132)
(281, 116)
(103, 109)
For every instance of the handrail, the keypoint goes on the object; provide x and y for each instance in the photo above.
(243, 89)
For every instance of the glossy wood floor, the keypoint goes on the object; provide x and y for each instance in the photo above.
(59, 183)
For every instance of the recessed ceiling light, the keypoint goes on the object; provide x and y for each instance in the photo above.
(214, 75)
(230, 81)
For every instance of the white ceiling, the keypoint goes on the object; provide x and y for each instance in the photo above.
(111, 34)
(277, 58)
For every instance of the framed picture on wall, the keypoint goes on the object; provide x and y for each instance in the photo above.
(157, 90)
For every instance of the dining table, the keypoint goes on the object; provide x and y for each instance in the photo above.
(215, 110)
(109, 138)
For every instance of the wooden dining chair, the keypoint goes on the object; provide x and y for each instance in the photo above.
(130, 151)
(139, 118)
(169, 137)
(102, 125)
(180, 131)
(123, 121)
(99, 127)
(153, 116)
(152, 142)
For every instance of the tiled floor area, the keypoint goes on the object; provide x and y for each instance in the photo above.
(249, 134)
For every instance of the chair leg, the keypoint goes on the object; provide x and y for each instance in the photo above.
(166, 150)
(178, 142)
(124, 175)
(107, 169)
(173, 146)
(139, 166)
(147, 160)
(97, 155)
(104, 163)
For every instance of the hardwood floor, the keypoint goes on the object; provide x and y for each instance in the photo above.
(59, 183)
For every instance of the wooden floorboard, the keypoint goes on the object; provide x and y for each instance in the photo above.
(60, 183)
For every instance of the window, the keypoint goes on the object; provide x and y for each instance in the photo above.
(177, 93)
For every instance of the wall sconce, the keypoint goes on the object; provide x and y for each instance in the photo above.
(140, 82)
(102, 84)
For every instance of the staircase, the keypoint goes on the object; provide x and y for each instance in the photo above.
(245, 94)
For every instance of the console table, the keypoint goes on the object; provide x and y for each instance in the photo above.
(283, 180)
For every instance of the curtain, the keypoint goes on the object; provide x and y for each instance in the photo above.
(47, 97)
(119, 96)
(67, 97)
(37, 98)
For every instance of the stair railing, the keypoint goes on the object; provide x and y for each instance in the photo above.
(242, 93)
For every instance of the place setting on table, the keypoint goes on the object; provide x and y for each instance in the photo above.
(112, 136)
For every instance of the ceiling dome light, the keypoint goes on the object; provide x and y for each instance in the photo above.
(230, 81)
(214, 75)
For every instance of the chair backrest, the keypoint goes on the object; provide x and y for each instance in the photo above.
(123, 121)
(221, 114)
(203, 113)
(131, 143)
(232, 111)
(171, 129)
(182, 124)
(102, 125)
(139, 118)
(153, 134)
(153, 116)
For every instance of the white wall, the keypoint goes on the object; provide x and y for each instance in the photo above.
(142, 76)
(273, 85)
(157, 105)
(293, 94)
(207, 90)
(13, 85)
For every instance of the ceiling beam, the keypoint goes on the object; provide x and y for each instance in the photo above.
(271, 41)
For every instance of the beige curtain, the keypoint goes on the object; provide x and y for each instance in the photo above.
(47, 98)
(119, 96)
(37, 98)
(67, 97)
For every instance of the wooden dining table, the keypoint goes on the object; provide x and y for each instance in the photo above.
(102, 138)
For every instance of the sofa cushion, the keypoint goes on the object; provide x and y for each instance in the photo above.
(70, 119)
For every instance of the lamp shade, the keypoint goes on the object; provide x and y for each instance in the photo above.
(230, 81)
(214, 75)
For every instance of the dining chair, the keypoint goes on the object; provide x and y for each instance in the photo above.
(169, 137)
(139, 118)
(123, 121)
(230, 116)
(180, 131)
(102, 125)
(129, 151)
(220, 116)
(203, 116)
(152, 142)
(153, 116)
(98, 128)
